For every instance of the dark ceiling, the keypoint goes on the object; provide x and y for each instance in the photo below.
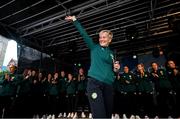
(40, 24)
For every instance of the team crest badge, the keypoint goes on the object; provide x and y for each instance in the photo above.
(94, 95)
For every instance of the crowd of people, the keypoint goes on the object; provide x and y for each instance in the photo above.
(153, 93)
(148, 93)
(35, 93)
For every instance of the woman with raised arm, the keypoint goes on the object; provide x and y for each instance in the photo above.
(101, 72)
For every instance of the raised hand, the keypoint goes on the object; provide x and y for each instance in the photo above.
(70, 18)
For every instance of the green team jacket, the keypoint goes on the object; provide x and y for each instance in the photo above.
(54, 88)
(63, 81)
(81, 85)
(118, 85)
(8, 88)
(71, 87)
(174, 79)
(162, 81)
(129, 82)
(144, 83)
(101, 58)
(24, 86)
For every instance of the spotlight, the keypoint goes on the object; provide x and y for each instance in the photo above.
(134, 56)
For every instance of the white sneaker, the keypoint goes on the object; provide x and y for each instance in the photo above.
(169, 117)
(60, 115)
(53, 116)
(132, 117)
(146, 117)
(37, 116)
(124, 116)
(137, 117)
(75, 116)
(90, 116)
(72, 114)
(69, 115)
(112, 117)
(64, 115)
(117, 116)
(83, 115)
(156, 117)
(43, 117)
(34, 116)
(49, 117)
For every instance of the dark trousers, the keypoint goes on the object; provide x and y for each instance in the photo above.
(63, 103)
(129, 105)
(80, 100)
(119, 105)
(6, 107)
(23, 107)
(164, 103)
(53, 104)
(177, 104)
(71, 103)
(100, 97)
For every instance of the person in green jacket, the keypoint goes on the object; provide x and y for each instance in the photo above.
(101, 75)
(163, 88)
(81, 91)
(145, 91)
(23, 95)
(71, 90)
(129, 84)
(174, 76)
(63, 87)
(8, 91)
(54, 94)
(118, 95)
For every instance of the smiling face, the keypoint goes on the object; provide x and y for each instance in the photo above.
(105, 38)
(171, 64)
(12, 69)
(140, 67)
(81, 71)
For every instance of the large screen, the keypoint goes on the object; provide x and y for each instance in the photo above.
(8, 53)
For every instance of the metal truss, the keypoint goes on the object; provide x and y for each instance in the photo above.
(7, 4)
(55, 20)
(161, 24)
(54, 30)
(20, 11)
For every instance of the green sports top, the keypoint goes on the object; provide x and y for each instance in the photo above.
(101, 58)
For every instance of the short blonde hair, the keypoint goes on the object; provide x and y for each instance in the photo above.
(110, 34)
